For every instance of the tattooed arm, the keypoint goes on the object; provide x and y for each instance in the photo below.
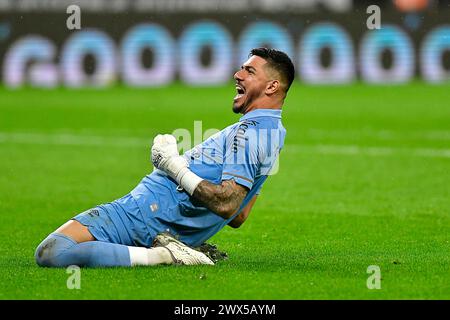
(223, 199)
(243, 215)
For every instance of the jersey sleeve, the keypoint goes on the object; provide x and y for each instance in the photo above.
(241, 160)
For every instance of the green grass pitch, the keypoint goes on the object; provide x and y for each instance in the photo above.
(364, 179)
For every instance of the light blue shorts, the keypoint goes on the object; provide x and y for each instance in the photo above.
(120, 222)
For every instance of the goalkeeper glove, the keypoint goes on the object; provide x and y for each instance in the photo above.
(165, 157)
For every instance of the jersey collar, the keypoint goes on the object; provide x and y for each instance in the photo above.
(261, 113)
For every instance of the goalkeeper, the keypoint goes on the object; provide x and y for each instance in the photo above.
(187, 198)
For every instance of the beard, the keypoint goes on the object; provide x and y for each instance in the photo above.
(242, 103)
(251, 95)
(238, 108)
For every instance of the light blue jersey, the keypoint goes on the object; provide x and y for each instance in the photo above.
(245, 151)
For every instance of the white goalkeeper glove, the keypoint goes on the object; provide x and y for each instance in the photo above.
(164, 148)
(165, 157)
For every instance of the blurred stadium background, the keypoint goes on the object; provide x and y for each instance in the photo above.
(363, 180)
(150, 43)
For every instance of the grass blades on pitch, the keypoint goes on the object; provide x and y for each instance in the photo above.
(363, 180)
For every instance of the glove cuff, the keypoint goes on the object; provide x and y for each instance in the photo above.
(188, 180)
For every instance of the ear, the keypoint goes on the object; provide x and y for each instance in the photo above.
(272, 87)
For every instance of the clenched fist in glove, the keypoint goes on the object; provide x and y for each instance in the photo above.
(165, 157)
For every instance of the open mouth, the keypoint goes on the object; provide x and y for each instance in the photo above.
(240, 91)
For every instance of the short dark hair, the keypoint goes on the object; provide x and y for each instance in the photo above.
(279, 61)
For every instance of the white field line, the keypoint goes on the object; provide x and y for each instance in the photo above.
(381, 135)
(72, 140)
(126, 142)
(354, 150)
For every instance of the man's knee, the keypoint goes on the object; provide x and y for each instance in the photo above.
(50, 251)
(45, 252)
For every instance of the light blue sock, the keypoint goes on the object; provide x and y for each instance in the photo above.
(58, 250)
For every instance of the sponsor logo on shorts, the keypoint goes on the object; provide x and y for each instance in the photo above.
(93, 212)
(154, 207)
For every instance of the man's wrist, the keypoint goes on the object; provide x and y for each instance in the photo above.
(179, 171)
(174, 166)
(189, 181)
